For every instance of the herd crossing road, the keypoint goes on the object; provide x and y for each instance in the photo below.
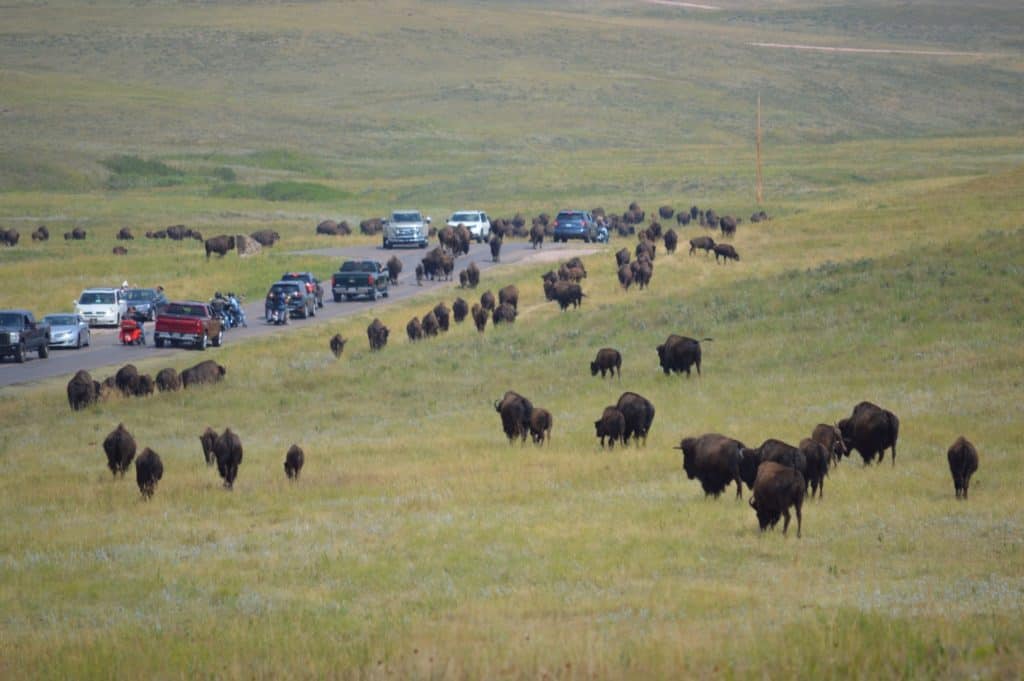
(106, 350)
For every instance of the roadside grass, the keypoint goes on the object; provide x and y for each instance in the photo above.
(418, 543)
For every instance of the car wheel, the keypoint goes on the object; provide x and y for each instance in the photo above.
(159, 342)
(201, 345)
(78, 342)
(19, 353)
(373, 294)
(337, 297)
(44, 351)
(312, 310)
(387, 294)
(219, 340)
(387, 244)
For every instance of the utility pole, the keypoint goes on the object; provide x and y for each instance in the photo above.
(760, 180)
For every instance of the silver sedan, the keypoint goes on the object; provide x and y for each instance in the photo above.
(68, 330)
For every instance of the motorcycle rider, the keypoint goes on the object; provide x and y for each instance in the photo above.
(235, 309)
(139, 318)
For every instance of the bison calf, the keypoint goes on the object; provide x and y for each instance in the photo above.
(338, 345)
(540, 425)
(611, 425)
(607, 360)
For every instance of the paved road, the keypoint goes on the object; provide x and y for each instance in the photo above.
(107, 351)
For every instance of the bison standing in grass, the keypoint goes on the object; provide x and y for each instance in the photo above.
(714, 460)
(772, 450)
(149, 469)
(219, 245)
(294, 459)
(611, 425)
(207, 371)
(503, 314)
(541, 422)
(830, 437)
(817, 459)
(870, 430)
(377, 334)
(82, 390)
(607, 360)
(119, 446)
(509, 294)
(228, 451)
(776, 488)
(414, 329)
(479, 317)
(460, 308)
(337, 345)
(726, 252)
(443, 315)
(638, 412)
(208, 439)
(515, 411)
(678, 353)
(671, 241)
(167, 380)
(704, 243)
(963, 462)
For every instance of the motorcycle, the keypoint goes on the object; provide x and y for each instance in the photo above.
(131, 332)
(278, 312)
(234, 308)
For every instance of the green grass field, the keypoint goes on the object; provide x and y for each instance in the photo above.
(418, 543)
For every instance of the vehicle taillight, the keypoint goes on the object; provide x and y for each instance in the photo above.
(372, 279)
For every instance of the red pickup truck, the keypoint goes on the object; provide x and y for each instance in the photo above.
(188, 323)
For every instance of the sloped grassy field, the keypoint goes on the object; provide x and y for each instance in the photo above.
(419, 543)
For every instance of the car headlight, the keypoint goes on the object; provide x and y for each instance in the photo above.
(15, 336)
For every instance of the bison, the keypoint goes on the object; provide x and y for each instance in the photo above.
(726, 252)
(727, 224)
(127, 379)
(503, 314)
(566, 293)
(479, 317)
(622, 257)
(144, 386)
(149, 469)
(540, 425)
(429, 324)
(119, 446)
(265, 237)
(626, 276)
(509, 294)
(817, 458)
(414, 329)
(963, 462)
(679, 353)
(870, 430)
(219, 245)
(515, 411)
(460, 308)
(394, 266)
(714, 460)
(207, 440)
(776, 488)
(705, 243)
(125, 234)
(537, 235)
(207, 371)
(294, 459)
(119, 250)
(608, 359)
(666, 212)
(639, 414)
(671, 240)
(487, 301)
(377, 334)
(228, 451)
(472, 275)
(41, 233)
(443, 315)
(832, 439)
(611, 425)
(495, 244)
(82, 390)
(773, 450)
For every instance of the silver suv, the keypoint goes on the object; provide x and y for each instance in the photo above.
(406, 228)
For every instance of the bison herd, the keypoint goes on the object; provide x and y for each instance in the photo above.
(83, 391)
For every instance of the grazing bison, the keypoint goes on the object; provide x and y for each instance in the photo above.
(294, 459)
(479, 317)
(495, 244)
(125, 234)
(666, 212)
(82, 390)
(78, 234)
(144, 386)
(776, 488)
(414, 329)
(149, 469)
(394, 269)
(639, 414)
(727, 224)
(683, 218)
(565, 293)
(371, 226)
(377, 334)
(503, 314)
(487, 301)
(328, 227)
(219, 245)
(515, 411)
(671, 240)
(773, 450)
(119, 446)
(626, 276)
(430, 324)
(337, 345)
(119, 250)
(228, 451)
(509, 294)
(41, 233)
(265, 237)
(817, 459)
(705, 243)
(714, 460)
(963, 462)
(678, 353)
(540, 425)
(726, 252)
(611, 425)
(443, 315)
(460, 308)
(208, 439)
(178, 232)
(608, 359)
(870, 430)
(127, 379)
(207, 371)
(832, 439)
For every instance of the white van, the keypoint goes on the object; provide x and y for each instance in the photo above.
(101, 306)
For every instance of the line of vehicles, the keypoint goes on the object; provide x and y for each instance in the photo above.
(410, 228)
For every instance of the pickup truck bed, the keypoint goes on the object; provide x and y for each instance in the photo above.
(188, 323)
(360, 278)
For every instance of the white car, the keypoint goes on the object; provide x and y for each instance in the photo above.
(476, 222)
(101, 306)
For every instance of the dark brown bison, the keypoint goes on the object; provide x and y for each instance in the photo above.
(622, 257)
(377, 334)
(220, 245)
(714, 460)
(671, 240)
(726, 252)
(78, 234)
(479, 317)
(611, 425)
(759, 216)
(727, 224)
(666, 212)
(207, 440)
(832, 439)
(265, 237)
(495, 244)
(444, 316)
(421, 272)
(608, 359)
(228, 451)
(870, 430)
(773, 450)
(41, 233)
(646, 248)
(515, 411)
(294, 460)
(705, 243)
(328, 227)
(460, 308)
(371, 226)
(119, 250)
(540, 425)
(639, 414)
(473, 275)
(82, 390)
(119, 446)
(817, 459)
(509, 294)
(394, 269)
(149, 469)
(125, 234)
(678, 353)
(565, 293)
(337, 345)
(963, 462)
(643, 271)
(503, 314)
(430, 324)
(178, 232)
(537, 236)
(414, 329)
(626, 276)
(683, 218)
(487, 301)
(776, 488)
(207, 371)
(144, 386)
(127, 379)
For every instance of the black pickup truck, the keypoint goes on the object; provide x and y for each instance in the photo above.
(21, 333)
(359, 278)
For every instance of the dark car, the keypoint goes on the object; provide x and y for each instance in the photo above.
(575, 224)
(359, 278)
(312, 284)
(148, 302)
(301, 303)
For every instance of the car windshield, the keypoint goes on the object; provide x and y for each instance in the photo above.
(61, 319)
(465, 217)
(406, 217)
(97, 298)
(10, 319)
(185, 310)
(143, 294)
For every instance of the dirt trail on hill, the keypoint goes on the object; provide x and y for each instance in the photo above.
(871, 50)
